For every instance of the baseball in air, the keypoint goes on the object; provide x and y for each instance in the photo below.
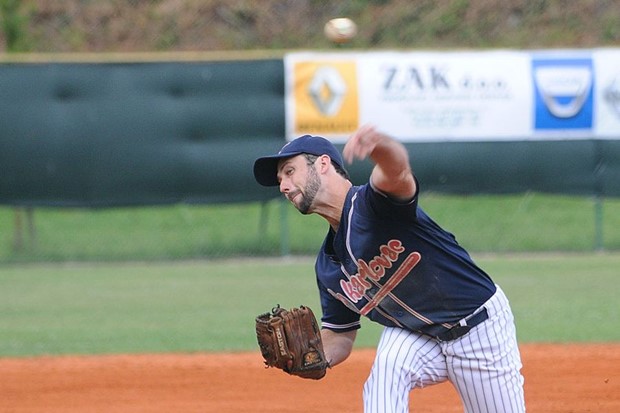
(340, 30)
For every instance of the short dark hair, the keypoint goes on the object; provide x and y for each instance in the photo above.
(311, 159)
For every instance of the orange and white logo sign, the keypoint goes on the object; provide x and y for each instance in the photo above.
(326, 98)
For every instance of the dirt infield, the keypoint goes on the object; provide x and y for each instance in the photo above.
(558, 378)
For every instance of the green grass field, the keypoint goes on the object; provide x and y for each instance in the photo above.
(190, 306)
(154, 279)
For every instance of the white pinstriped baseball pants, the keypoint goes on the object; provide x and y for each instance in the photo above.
(484, 366)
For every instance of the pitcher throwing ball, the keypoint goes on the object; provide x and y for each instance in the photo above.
(384, 258)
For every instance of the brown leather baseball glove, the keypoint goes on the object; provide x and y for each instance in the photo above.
(291, 341)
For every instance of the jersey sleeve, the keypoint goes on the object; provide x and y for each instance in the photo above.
(382, 205)
(336, 315)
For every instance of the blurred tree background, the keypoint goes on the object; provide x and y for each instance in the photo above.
(53, 26)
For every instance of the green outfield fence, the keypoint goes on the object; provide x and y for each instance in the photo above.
(48, 31)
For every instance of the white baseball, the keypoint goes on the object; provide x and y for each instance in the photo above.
(340, 30)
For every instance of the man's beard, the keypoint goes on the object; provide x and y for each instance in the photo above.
(312, 188)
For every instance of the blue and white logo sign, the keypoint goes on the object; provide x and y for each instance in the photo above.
(563, 92)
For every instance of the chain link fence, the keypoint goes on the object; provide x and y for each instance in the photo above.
(49, 27)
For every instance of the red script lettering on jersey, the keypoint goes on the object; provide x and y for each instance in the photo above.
(374, 270)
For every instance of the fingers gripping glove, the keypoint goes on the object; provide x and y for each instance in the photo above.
(291, 341)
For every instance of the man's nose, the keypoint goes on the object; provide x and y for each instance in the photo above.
(284, 188)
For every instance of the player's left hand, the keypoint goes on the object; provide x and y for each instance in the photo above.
(362, 143)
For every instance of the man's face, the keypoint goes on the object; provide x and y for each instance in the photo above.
(299, 182)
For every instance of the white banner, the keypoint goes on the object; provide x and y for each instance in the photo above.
(445, 96)
(455, 96)
(607, 98)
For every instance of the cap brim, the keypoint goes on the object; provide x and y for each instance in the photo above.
(266, 169)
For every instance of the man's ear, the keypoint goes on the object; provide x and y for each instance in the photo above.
(325, 163)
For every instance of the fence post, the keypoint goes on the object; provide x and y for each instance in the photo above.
(285, 247)
(599, 244)
(19, 230)
(262, 221)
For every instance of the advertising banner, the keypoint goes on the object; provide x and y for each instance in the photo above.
(563, 93)
(455, 96)
(607, 93)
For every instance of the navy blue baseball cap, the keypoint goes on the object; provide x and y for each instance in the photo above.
(266, 168)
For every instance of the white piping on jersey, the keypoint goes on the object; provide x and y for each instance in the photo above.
(348, 236)
(350, 251)
(340, 326)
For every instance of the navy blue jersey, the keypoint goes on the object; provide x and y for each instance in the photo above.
(391, 262)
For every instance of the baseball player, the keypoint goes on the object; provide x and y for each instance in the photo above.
(384, 258)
